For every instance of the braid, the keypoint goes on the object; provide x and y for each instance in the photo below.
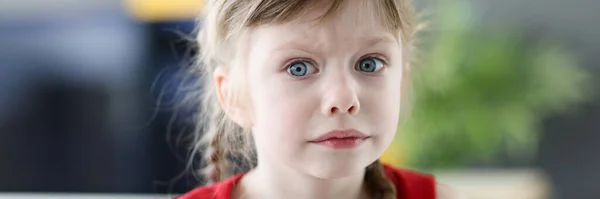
(213, 133)
(221, 138)
(216, 165)
(377, 183)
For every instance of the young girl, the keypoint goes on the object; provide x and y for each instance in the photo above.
(308, 92)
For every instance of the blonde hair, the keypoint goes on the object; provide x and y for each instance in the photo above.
(224, 20)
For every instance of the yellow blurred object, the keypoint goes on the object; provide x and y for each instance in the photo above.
(163, 10)
(393, 155)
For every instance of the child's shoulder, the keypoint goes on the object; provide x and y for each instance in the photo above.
(220, 190)
(206, 192)
(411, 184)
(395, 173)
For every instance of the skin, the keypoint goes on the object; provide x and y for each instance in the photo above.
(285, 111)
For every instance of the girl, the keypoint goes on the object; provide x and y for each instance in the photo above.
(308, 92)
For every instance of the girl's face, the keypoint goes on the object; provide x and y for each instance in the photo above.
(308, 78)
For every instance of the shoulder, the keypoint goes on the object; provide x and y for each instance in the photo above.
(394, 172)
(220, 190)
(208, 192)
(419, 185)
(411, 184)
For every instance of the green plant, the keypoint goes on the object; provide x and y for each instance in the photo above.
(478, 91)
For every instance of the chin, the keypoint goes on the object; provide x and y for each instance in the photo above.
(336, 170)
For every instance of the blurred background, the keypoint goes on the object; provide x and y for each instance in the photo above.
(504, 98)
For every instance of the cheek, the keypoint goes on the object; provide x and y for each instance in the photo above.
(382, 106)
(280, 115)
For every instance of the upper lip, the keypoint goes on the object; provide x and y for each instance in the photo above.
(339, 134)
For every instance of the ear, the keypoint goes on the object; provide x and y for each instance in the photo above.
(224, 91)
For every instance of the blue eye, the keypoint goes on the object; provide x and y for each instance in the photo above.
(301, 68)
(369, 65)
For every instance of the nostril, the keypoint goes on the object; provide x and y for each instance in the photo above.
(352, 109)
(334, 110)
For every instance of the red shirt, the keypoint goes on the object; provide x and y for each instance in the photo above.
(409, 185)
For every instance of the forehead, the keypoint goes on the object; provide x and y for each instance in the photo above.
(355, 23)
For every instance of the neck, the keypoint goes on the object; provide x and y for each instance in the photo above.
(278, 181)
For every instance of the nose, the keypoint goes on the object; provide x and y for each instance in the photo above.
(340, 98)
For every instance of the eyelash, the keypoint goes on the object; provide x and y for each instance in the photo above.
(296, 60)
(375, 56)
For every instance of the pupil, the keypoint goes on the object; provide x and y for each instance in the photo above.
(298, 69)
(367, 65)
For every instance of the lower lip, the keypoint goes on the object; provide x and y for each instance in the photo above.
(341, 143)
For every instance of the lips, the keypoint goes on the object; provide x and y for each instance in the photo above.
(337, 134)
(341, 139)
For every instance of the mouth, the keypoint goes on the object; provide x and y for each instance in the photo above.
(341, 139)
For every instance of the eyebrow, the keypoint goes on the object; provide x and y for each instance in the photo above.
(370, 41)
(295, 44)
(373, 41)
